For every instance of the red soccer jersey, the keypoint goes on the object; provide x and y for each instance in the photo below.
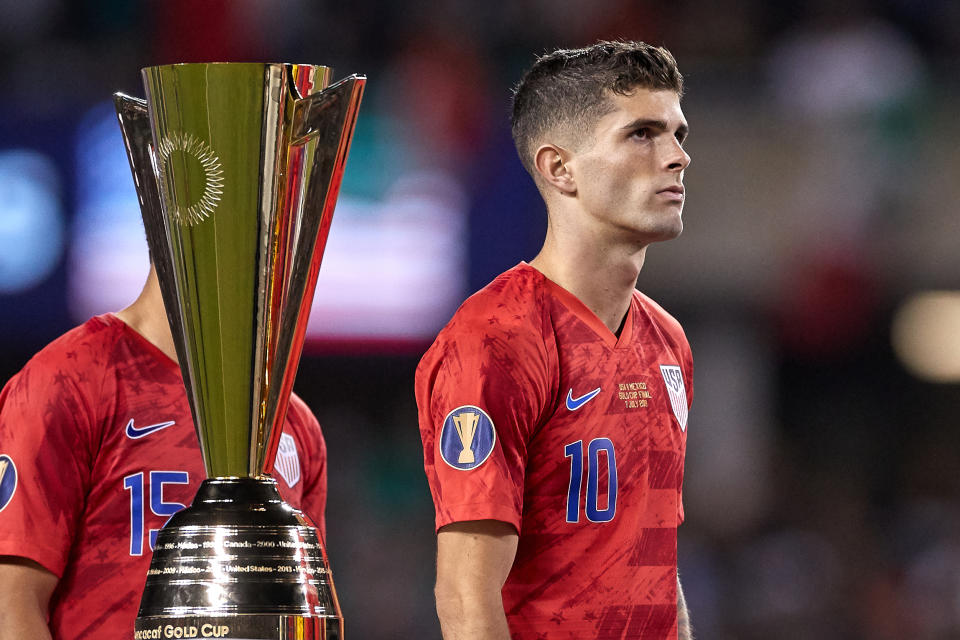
(97, 451)
(532, 412)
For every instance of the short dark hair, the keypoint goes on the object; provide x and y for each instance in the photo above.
(570, 88)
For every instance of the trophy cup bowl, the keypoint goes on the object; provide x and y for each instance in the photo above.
(237, 168)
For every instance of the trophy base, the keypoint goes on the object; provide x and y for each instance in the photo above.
(239, 563)
(243, 627)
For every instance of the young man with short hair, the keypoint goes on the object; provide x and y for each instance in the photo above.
(553, 406)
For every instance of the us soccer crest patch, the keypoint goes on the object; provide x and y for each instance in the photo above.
(287, 464)
(467, 438)
(673, 378)
(8, 480)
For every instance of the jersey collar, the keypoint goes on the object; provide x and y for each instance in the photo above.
(576, 307)
(141, 341)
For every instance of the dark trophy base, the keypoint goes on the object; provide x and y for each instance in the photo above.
(239, 563)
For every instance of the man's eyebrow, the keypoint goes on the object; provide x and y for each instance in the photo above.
(648, 123)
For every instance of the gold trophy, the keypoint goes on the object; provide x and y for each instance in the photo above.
(237, 168)
(466, 424)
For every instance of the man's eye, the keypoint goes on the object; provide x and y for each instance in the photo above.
(641, 133)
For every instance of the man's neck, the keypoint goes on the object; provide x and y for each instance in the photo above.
(148, 317)
(602, 278)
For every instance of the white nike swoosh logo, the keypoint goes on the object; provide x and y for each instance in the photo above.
(575, 403)
(134, 433)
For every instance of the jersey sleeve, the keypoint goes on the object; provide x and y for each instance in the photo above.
(687, 368)
(47, 435)
(314, 498)
(674, 336)
(481, 391)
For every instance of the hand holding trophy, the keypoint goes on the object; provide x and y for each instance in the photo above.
(237, 168)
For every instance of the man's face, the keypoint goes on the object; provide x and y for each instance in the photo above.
(629, 175)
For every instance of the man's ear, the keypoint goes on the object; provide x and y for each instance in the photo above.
(550, 162)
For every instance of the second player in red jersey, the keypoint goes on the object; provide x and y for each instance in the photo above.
(100, 450)
(578, 442)
(553, 407)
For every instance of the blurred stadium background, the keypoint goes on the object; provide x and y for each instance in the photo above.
(817, 276)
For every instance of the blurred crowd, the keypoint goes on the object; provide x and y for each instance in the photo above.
(822, 493)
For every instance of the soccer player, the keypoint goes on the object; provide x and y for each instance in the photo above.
(97, 451)
(553, 406)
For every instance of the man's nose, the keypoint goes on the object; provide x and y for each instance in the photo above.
(677, 158)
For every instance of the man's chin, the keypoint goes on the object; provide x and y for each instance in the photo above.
(667, 231)
(658, 228)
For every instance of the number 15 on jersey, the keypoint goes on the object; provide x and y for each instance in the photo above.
(153, 497)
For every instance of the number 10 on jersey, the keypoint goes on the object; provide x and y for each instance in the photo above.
(575, 452)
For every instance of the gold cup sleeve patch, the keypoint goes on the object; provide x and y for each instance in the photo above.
(8, 480)
(467, 438)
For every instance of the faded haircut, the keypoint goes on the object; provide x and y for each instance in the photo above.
(569, 89)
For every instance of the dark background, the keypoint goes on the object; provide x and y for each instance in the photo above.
(822, 473)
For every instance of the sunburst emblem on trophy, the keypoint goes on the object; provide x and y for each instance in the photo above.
(183, 154)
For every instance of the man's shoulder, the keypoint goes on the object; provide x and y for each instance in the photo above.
(300, 417)
(504, 321)
(657, 314)
(511, 304)
(66, 377)
(85, 346)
